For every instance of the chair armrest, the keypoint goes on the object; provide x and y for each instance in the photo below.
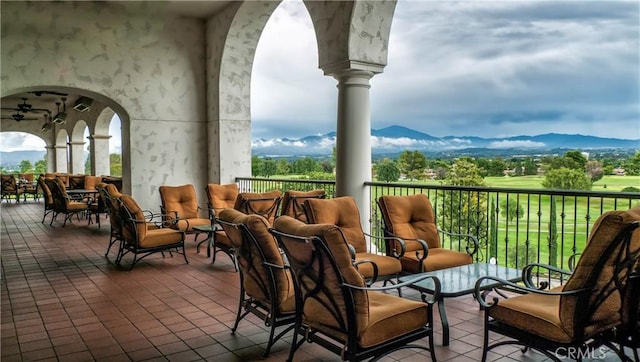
(275, 266)
(434, 297)
(387, 239)
(527, 274)
(480, 293)
(470, 250)
(374, 278)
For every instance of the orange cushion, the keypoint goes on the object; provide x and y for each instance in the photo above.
(292, 202)
(410, 217)
(180, 199)
(340, 211)
(222, 196)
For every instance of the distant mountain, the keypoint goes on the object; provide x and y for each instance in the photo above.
(11, 160)
(395, 139)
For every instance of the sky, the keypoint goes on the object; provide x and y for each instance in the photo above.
(458, 68)
(467, 68)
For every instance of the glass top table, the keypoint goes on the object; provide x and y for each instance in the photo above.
(459, 281)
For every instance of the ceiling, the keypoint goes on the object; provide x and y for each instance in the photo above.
(43, 102)
(35, 105)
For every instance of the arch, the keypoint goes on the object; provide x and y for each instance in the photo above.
(233, 37)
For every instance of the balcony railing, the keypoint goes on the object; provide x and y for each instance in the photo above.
(514, 226)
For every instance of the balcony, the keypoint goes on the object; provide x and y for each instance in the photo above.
(63, 300)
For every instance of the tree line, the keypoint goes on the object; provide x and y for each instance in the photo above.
(570, 171)
(40, 166)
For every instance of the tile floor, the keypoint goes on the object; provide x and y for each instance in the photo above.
(62, 300)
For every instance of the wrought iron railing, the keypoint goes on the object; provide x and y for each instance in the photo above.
(514, 226)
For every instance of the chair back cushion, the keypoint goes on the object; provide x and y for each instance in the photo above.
(258, 246)
(180, 199)
(264, 204)
(26, 176)
(76, 182)
(321, 268)
(8, 183)
(292, 202)
(48, 198)
(90, 182)
(410, 217)
(605, 262)
(342, 212)
(222, 196)
(132, 228)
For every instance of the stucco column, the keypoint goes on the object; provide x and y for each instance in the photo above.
(51, 158)
(100, 159)
(76, 153)
(62, 164)
(353, 139)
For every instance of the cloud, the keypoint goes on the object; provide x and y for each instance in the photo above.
(20, 141)
(516, 144)
(470, 68)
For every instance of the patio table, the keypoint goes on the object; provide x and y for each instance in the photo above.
(459, 281)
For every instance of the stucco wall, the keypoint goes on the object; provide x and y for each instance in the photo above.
(149, 68)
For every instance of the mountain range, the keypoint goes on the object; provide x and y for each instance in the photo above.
(395, 139)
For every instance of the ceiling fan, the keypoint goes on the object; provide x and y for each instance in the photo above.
(20, 117)
(24, 107)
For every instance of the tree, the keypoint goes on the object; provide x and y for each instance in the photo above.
(463, 211)
(87, 166)
(530, 168)
(566, 179)
(387, 171)
(256, 166)
(25, 166)
(464, 173)
(283, 167)
(269, 167)
(412, 164)
(41, 166)
(496, 167)
(115, 164)
(511, 209)
(632, 166)
(594, 170)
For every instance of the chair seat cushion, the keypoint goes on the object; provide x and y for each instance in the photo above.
(535, 313)
(387, 265)
(438, 258)
(76, 206)
(160, 237)
(391, 316)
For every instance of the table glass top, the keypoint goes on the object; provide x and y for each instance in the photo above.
(462, 280)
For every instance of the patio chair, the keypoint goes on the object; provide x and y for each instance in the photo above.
(62, 203)
(47, 196)
(29, 186)
(411, 219)
(266, 287)
(9, 187)
(628, 335)
(334, 306)
(76, 182)
(343, 212)
(180, 205)
(578, 317)
(292, 202)
(264, 204)
(220, 197)
(139, 238)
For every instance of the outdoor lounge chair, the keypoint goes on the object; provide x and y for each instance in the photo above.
(220, 197)
(576, 318)
(336, 309)
(266, 287)
(180, 205)
(343, 212)
(411, 219)
(292, 202)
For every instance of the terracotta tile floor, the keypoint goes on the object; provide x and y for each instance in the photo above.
(63, 300)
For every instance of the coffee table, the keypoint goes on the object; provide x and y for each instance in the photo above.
(459, 281)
